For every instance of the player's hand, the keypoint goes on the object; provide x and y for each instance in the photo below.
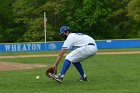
(54, 66)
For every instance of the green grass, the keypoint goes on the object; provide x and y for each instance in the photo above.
(28, 53)
(107, 74)
(36, 60)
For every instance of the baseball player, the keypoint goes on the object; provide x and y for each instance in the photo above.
(85, 48)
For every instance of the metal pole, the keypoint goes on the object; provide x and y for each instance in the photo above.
(45, 26)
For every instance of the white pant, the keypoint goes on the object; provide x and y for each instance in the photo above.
(81, 53)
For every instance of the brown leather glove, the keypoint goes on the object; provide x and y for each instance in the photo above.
(51, 70)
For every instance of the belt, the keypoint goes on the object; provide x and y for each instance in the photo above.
(91, 44)
(87, 44)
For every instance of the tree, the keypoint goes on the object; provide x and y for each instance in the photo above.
(134, 12)
(104, 19)
(91, 18)
(7, 25)
(22, 20)
(28, 18)
(134, 9)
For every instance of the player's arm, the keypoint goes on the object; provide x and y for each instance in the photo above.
(59, 57)
(66, 46)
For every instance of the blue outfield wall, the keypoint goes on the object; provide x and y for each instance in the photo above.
(109, 44)
(31, 47)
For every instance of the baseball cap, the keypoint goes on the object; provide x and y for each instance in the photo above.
(63, 29)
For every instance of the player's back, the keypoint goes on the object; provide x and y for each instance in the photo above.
(79, 39)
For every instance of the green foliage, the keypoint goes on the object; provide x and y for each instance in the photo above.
(134, 9)
(6, 20)
(22, 20)
(25, 16)
(104, 19)
(134, 12)
(91, 17)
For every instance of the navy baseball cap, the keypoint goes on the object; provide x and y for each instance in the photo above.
(63, 29)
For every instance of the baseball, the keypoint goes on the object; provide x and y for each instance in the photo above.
(37, 77)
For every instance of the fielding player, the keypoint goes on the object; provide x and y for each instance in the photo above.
(85, 48)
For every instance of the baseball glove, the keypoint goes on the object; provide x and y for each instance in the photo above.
(51, 70)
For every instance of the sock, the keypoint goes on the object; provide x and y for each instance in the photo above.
(80, 69)
(65, 67)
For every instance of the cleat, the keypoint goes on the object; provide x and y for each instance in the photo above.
(56, 78)
(83, 79)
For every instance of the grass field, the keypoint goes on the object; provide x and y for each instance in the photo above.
(107, 74)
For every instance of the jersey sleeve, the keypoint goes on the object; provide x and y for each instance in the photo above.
(68, 43)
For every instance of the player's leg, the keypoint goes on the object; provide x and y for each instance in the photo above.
(80, 54)
(65, 67)
(79, 67)
(77, 55)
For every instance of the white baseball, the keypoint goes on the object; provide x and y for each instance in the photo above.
(37, 77)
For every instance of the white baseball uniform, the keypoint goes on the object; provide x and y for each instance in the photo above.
(85, 44)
